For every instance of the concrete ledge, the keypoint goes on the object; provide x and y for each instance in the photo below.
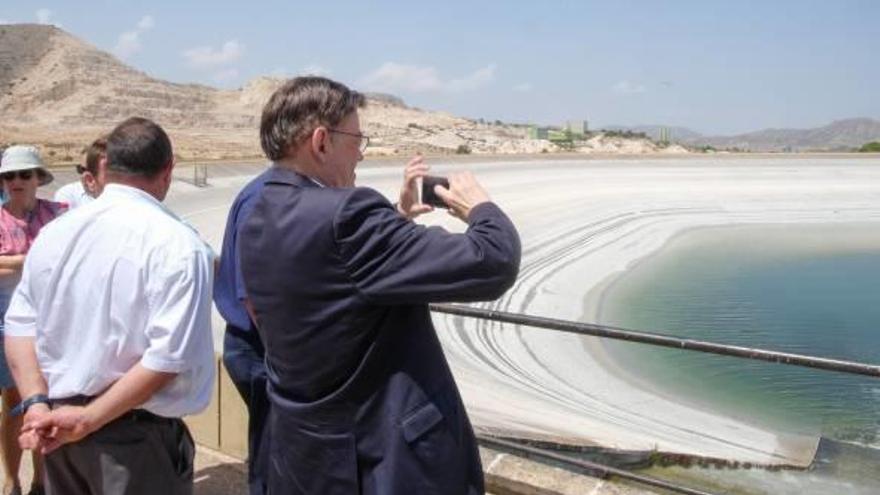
(508, 474)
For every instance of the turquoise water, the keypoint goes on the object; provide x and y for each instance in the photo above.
(811, 290)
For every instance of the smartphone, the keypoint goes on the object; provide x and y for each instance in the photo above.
(426, 191)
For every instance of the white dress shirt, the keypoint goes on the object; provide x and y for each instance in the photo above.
(117, 282)
(73, 194)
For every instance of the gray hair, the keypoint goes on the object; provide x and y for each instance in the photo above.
(301, 105)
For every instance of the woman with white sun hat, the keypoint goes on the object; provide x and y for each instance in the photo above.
(21, 218)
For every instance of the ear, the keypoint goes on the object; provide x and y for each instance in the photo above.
(168, 171)
(88, 181)
(102, 170)
(320, 136)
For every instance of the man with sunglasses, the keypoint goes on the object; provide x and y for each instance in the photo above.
(89, 184)
(338, 281)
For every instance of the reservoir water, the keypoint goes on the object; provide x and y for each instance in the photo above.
(805, 289)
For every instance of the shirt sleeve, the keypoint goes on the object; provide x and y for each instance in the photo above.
(179, 330)
(21, 315)
(246, 207)
(396, 261)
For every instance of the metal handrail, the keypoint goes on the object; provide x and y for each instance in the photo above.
(609, 332)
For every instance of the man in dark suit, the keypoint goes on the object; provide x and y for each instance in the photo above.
(362, 397)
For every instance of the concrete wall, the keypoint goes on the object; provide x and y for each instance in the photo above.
(223, 425)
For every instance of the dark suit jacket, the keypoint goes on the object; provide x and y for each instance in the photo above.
(363, 400)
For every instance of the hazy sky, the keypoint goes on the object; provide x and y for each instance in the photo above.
(713, 66)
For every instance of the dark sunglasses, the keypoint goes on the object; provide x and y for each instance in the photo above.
(22, 174)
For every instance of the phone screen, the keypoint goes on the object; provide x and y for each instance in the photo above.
(428, 196)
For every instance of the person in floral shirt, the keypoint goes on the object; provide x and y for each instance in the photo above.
(21, 218)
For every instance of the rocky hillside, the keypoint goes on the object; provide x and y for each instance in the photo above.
(840, 135)
(60, 92)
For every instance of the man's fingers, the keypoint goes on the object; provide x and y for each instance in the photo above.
(451, 199)
(33, 439)
(445, 194)
(47, 422)
(28, 441)
(421, 209)
(50, 445)
(416, 171)
(454, 213)
(54, 439)
(415, 162)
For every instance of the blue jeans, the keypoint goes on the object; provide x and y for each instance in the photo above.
(244, 358)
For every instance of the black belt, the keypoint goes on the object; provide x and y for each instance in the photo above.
(130, 415)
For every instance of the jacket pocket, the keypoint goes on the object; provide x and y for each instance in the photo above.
(420, 421)
(304, 462)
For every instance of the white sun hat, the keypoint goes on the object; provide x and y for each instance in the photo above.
(20, 157)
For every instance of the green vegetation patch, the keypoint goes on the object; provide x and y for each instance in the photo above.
(872, 147)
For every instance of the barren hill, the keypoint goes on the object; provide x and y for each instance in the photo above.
(60, 92)
(840, 135)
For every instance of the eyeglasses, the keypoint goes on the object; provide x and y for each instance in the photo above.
(364, 139)
(21, 174)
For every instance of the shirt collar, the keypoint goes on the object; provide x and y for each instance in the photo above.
(129, 193)
(284, 175)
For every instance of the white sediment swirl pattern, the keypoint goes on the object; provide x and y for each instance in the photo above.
(580, 225)
(583, 222)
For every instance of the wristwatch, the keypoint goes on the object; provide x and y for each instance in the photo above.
(24, 405)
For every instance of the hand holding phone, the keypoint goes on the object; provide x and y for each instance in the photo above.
(409, 202)
(461, 195)
(426, 191)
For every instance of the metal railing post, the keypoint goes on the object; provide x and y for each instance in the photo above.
(200, 174)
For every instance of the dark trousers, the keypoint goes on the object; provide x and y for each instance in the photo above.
(244, 358)
(136, 454)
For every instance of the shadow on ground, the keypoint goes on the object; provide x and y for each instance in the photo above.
(221, 479)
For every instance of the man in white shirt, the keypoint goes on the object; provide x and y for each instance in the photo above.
(89, 185)
(109, 337)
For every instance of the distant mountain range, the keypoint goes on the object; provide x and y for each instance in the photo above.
(840, 135)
